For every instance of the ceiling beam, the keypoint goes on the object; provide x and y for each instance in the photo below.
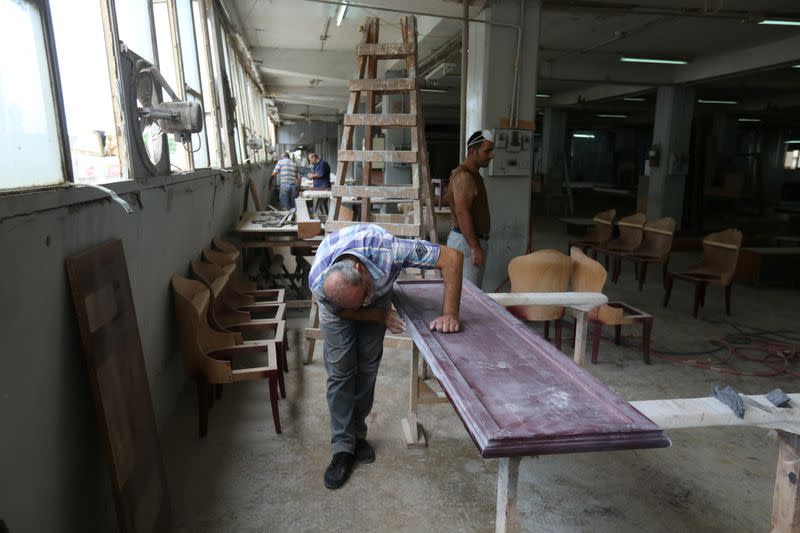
(594, 93)
(324, 65)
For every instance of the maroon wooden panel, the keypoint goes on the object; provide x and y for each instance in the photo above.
(103, 301)
(515, 393)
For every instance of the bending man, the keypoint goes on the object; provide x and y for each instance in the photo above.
(352, 278)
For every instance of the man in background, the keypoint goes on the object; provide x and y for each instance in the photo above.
(469, 205)
(321, 175)
(288, 180)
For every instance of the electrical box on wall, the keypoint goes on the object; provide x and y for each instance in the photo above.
(513, 153)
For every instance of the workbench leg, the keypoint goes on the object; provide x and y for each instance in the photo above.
(313, 320)
(581, 324)
(786, 498)
(412, 430)
(507, 478)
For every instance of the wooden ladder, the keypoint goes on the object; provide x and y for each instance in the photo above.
(419, 193)
(420, 223)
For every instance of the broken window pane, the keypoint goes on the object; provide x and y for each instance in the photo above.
(30, 150)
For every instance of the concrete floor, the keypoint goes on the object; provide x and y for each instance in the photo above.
(243, 477)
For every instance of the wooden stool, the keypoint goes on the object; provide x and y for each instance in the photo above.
(619, 314)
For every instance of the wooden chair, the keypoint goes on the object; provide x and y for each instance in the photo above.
(247, 300)
(240, 283)
(717, 267)
(223, 317)
(540, 271)
(208, 355)
(600, 234)
(589, 276)
(656, 248)
(631, 232)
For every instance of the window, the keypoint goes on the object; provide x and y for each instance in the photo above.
(135, 28)
(191, 76)
(791, 160)
(209, 96)
(84, 60)
(31, 151)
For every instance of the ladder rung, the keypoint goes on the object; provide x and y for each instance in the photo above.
(388, 156)
(387, 121)
(386, 50)
(375, 191)
(394, 85)
(401, 230)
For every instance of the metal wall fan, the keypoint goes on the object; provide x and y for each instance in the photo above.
(146, 95)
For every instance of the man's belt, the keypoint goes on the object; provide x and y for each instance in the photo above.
(481, 236)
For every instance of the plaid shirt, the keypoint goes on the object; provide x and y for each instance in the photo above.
(287, 171)
(382, 253)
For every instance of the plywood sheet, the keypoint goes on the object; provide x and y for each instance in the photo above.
(515, 393)
(101, 293)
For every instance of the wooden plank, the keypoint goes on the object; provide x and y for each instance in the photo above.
(400, 120)
(507, 483)
(393, 85)
(375, 191)
(254, 195)
(306, 226)
(786, 497)
(389, 341)
(103, 301)
(388, 156)
(515, 392)
(400, 230)
(386, 50)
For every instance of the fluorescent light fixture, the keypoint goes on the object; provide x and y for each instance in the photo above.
(634, 99)
(778, 22)
(724, 102)
(542, 95)
(796, 66)
(795, 141)
(340, 14)
(626, 59)
(586, 136)
(611, 115)
(433, 90)
(749, 120)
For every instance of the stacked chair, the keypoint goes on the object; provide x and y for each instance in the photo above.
(656, 249)
(213, 311)
(551, 271)
(717, 267)
(540, 271)
(631, 232)
(600, 234)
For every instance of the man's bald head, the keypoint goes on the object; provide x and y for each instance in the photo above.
(345, 284)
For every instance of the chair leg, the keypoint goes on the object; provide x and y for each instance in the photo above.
(202, 405)
(218, 390)
(606, 262)
(642, 275)
(667, 289)
(647, 326)
(596, 331)
(617, 269)
(664, 273)
(636, 270)
(698, 296)
(283, 351)
(547, 330)
(273, 399)
(617, 334)
(558, 325)
(728, 299)
(211, 397)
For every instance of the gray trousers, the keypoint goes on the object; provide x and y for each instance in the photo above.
(353, 351)
(471, 272)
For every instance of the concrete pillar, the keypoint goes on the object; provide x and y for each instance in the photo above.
(396, 138)
(551, 155)
(672, 132)
(490, 84)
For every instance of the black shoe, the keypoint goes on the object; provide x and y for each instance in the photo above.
(364, 452)
(339, 470)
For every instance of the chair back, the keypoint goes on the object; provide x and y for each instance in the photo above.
(192, 300)
(658, 236)
(631, 231)
(587, 274)
(540, 271)
(603, 227)
(226, 247)
(720, 254)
